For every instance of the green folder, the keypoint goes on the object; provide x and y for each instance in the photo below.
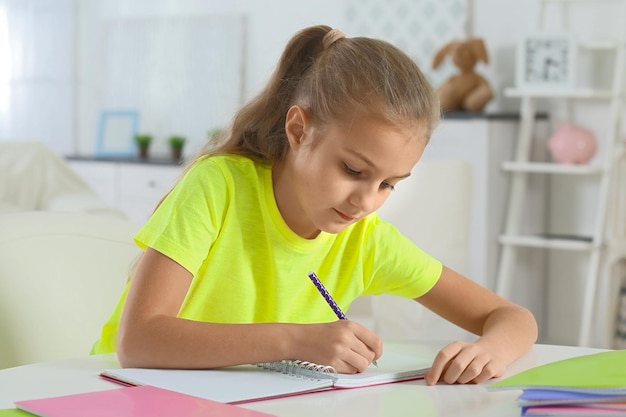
(603, 372)
(14, 412)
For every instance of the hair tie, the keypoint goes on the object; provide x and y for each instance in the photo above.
(331, 37)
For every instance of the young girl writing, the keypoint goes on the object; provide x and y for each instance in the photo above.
(294, 188)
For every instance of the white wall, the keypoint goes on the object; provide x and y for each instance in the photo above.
(53, 29)
(270, 24)
(62, 41)
(64, 25)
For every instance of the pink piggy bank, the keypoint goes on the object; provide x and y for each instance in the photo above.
(572, 144)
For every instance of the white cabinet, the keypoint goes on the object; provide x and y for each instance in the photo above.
(134, 187)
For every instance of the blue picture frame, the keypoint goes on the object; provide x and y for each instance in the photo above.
(116, 132)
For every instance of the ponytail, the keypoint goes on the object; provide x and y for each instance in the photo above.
(258, 129)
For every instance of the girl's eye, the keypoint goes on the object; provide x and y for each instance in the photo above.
(387, 186)
(350, 170)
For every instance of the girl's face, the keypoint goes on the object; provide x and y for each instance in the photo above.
(332, 178)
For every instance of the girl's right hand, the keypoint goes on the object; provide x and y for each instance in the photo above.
(345, 345)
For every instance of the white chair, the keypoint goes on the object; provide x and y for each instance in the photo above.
(433, 209)
(60, 277)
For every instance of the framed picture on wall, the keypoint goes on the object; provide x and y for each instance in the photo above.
(547, 62)
(116, 132)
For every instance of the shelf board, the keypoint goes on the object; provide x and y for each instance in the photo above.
(547, 93)
(574, 243)
(551, 168)
(581, 1)
(599, 45)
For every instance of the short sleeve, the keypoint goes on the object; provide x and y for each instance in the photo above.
(188, 221)
(398, 265)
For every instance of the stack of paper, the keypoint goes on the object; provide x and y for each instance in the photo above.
(590, 385)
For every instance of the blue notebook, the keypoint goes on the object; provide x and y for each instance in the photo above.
(536, 397)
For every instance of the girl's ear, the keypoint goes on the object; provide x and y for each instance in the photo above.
(296, 126)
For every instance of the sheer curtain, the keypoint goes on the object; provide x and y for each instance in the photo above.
(37, 81)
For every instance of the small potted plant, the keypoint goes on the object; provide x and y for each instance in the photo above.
(143, 141)
(215, 133)
(215, 136)
(176, 143)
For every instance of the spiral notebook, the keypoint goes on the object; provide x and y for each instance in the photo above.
(244, 383)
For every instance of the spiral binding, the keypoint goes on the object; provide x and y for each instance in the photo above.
(302, 369)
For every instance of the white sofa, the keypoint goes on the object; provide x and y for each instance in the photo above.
(61, 274)
(34, 177)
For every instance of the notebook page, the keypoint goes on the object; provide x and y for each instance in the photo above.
(229, 385)
(399, 362)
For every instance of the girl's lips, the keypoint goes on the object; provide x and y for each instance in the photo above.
(344, 216)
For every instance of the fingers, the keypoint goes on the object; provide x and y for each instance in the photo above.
(355, 347)
(464, 363)
(373, 344)
(369, 352)
(441, 363)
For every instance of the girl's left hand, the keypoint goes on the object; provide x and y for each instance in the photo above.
(463, 363)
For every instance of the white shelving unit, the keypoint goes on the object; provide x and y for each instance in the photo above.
(604, 245)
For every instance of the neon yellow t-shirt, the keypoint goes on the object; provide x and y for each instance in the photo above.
(222, 224)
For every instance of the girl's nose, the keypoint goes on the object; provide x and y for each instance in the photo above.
(366, 198)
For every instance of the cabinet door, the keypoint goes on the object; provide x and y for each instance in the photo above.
(101, 176)
(141, 187)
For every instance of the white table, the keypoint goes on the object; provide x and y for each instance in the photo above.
(401, 399)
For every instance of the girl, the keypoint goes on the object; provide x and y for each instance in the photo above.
(294, 188)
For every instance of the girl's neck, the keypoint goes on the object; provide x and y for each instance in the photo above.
(287, 202)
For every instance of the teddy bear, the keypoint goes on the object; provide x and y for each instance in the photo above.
(466, 90)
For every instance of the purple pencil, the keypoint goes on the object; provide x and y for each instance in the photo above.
(329, 299)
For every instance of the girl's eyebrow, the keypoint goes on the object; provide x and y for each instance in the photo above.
(371, 164)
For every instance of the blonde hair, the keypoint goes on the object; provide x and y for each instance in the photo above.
(331, 76)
